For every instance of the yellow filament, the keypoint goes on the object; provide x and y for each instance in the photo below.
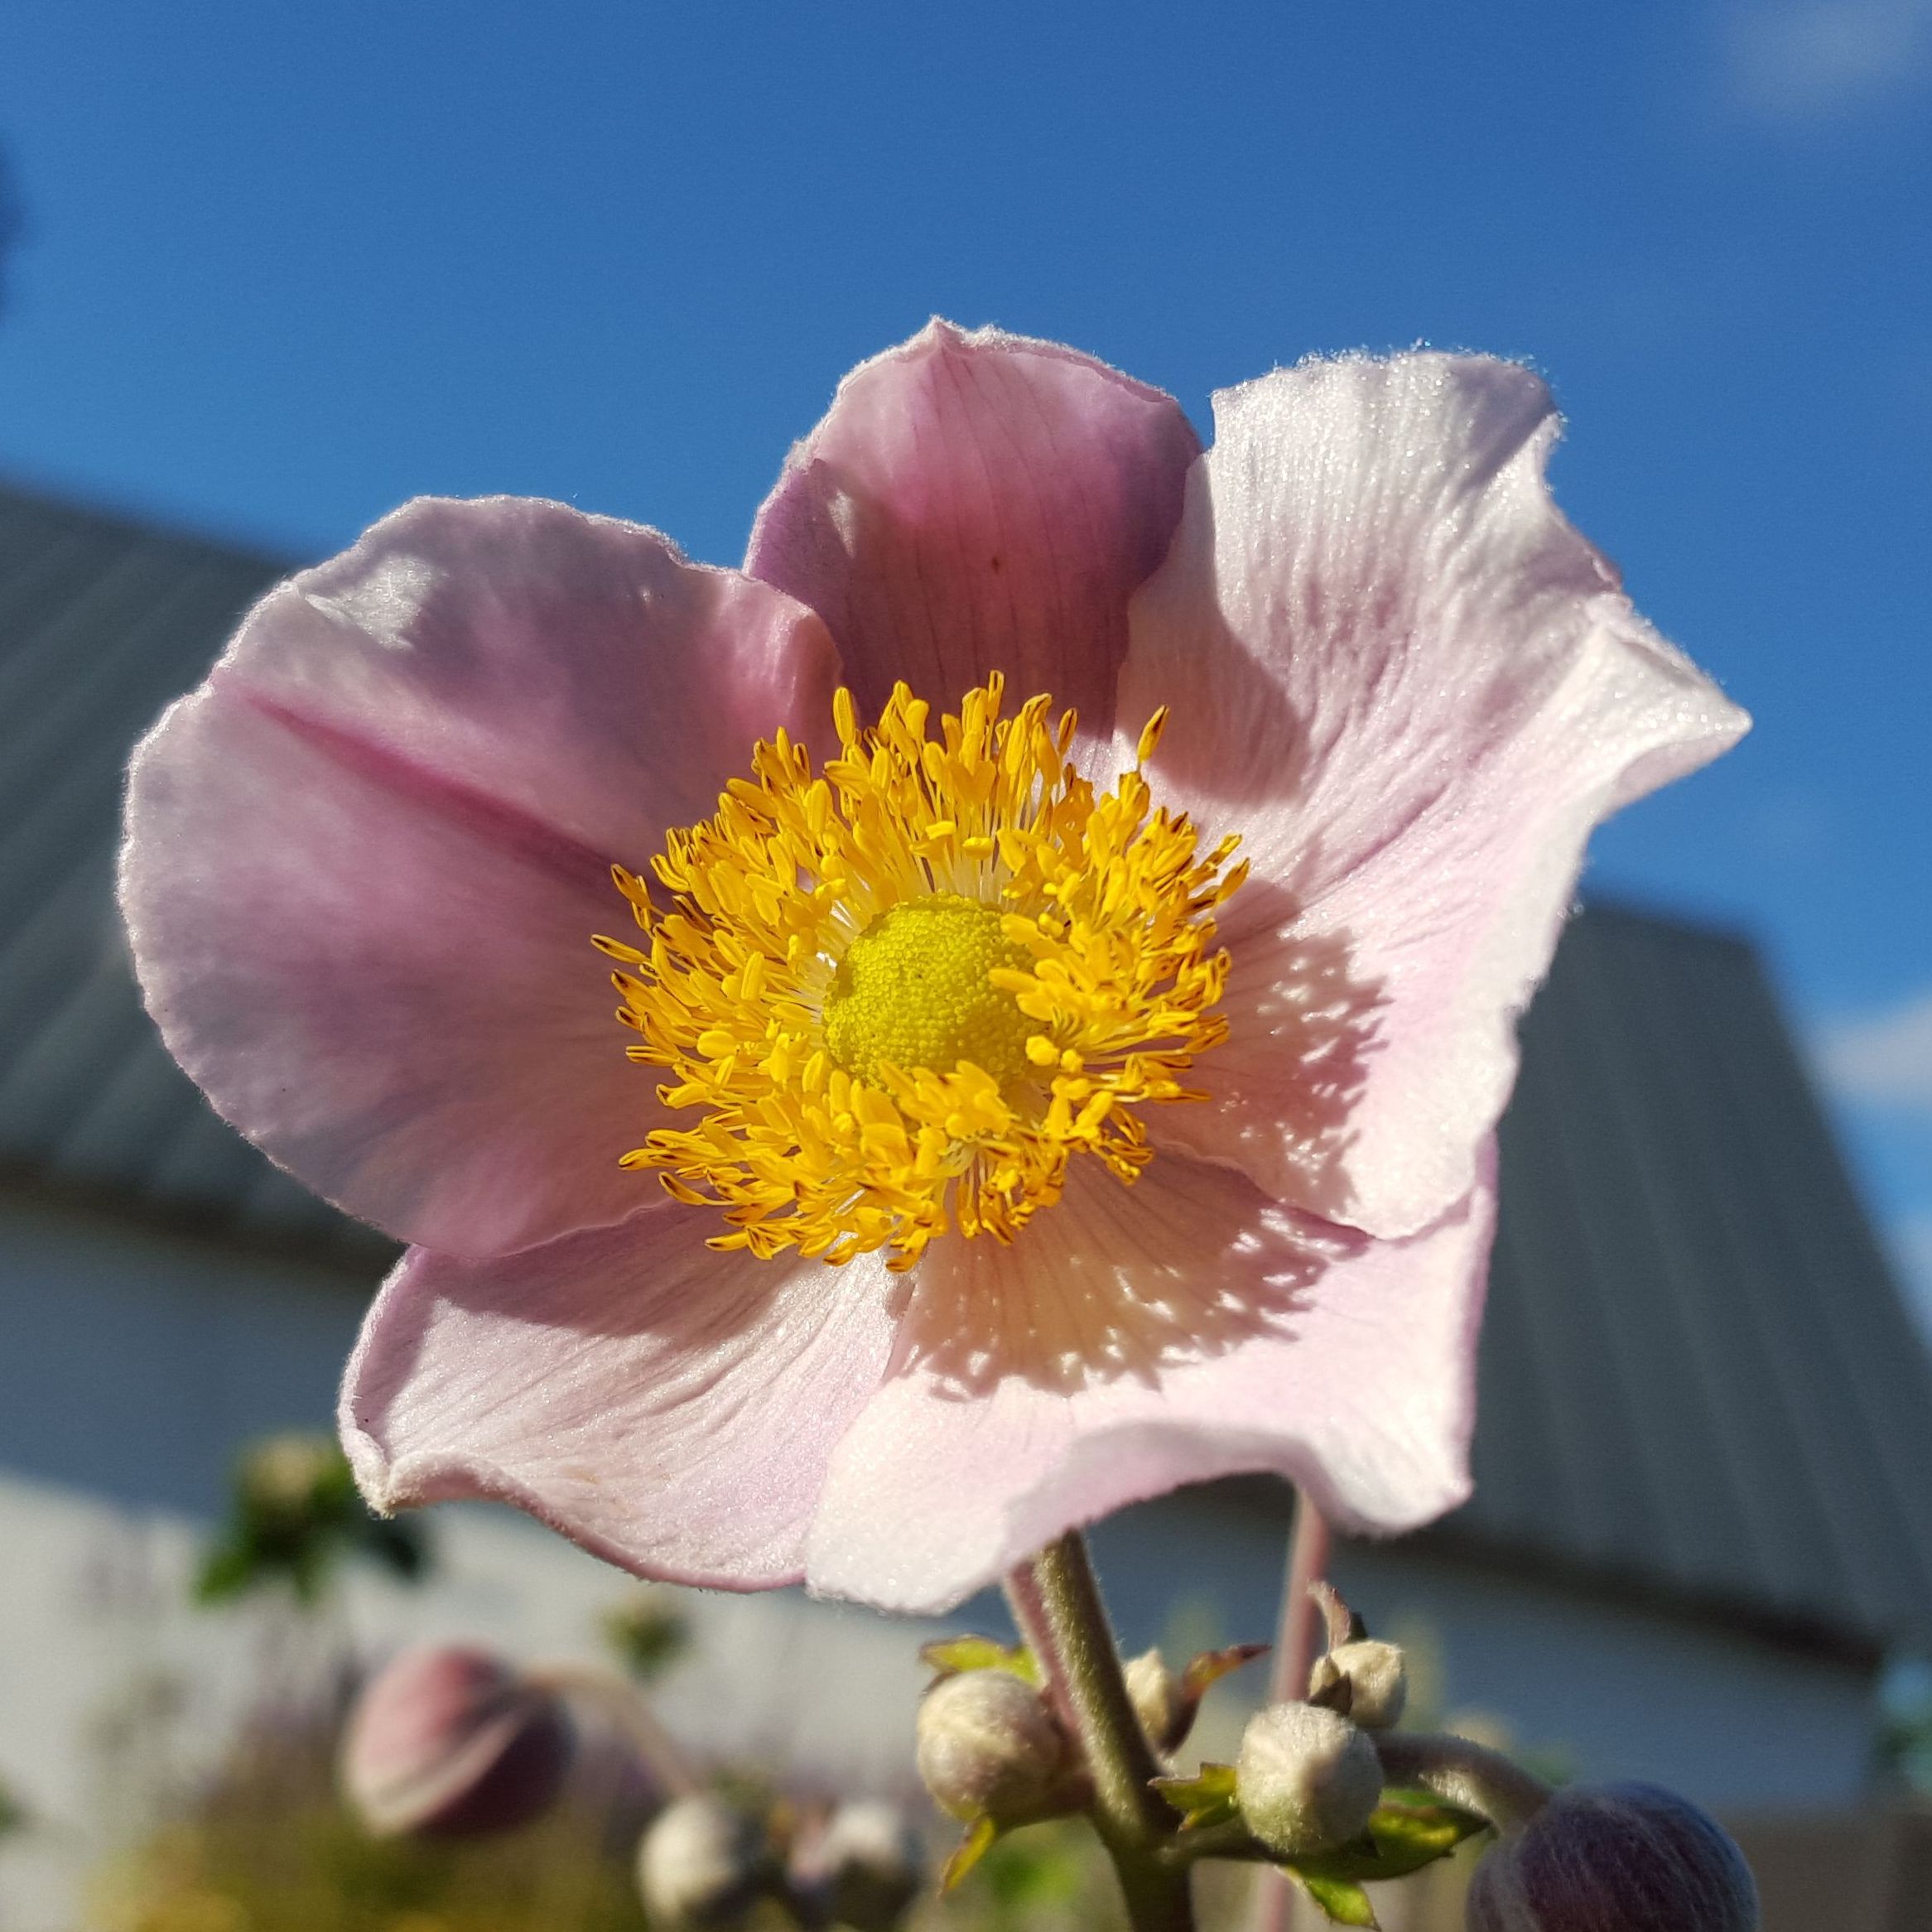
(899, 995)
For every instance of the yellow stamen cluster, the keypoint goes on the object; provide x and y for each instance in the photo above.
(902, 994)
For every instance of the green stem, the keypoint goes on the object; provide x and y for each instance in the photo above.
(1056, 1602)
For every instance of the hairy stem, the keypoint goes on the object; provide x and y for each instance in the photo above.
(1275, 1907)
(1057, 1603)
(1300, 1633)
(1462, 1773)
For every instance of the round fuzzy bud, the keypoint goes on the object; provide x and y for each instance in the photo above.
(1159, 1701)
(989, 1746)
(449, 1742)
(703, 1862)
(863, 1868)
(1615, 1858)
(1377, 1680)
(1307, 1779)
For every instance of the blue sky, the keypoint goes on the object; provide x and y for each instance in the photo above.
(286, 267)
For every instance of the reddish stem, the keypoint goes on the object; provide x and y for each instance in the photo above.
(1295, 1649)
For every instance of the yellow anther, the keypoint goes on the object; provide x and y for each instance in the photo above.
(899, 996)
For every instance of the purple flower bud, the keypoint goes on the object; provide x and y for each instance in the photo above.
(990, 1747)
(1615, 1858)
(450, 1741)
(703, 1862)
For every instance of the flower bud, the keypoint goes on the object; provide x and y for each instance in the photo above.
(450, 1743)
(703, 1862)
(1306, 1779)
(990, 1747)
(863, 1868)
(1376, 1682)
(1615, 1858)
(1159, 1700)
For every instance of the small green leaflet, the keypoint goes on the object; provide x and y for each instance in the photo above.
(1344, 1901)
(972, 1848)
(1207, 1798)
(952, 1655)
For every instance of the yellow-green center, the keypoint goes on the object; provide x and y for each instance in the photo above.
(913, 991)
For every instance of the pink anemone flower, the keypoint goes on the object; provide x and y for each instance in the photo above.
(1056, 1099)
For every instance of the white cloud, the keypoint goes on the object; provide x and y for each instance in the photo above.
(1810, 59)
(1884, 1059)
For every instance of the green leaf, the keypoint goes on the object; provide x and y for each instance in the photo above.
(1207, 1798)
(293, 1515)
(973, 1847)
(952, 1655)
(1407, 1836)
(1401, 1838)
(1342, 1900)
(227, 1570)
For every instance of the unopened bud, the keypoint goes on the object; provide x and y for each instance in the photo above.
(703, 1862)
(450, 1741)
(1366, 1681)
(1306, 1779)
(990, 1747)
(290, 1474)
(1615, 1858)
(1159, 1700)
(863, 1868)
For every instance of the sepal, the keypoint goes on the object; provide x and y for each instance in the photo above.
(1204, 1800)
(1168, 1705)
(950, 1656)
(1342, 1901)
(978, 1841)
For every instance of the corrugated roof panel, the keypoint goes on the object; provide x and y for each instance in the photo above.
(1867, 1448)
(101, 623)
(1696, 1375)
(1695, 1372)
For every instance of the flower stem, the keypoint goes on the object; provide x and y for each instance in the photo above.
(1056, 1602)
(663, 1757)
(1301, 1614)
(1462, 1773)
(1274, 1908)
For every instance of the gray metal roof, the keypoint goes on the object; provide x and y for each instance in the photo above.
(1696, 1370)
(101, 623)
(1696, 1378)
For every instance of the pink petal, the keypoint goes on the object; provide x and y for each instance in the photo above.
(365, 861)
(386, 984)
(1415, 689)
(670, 1409)
(979, 501)
(576, 668)
(1136, 1339)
